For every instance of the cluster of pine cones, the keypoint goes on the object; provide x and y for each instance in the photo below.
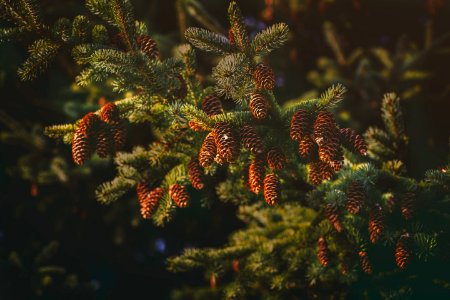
(320, 141)
(104, 134)
(356, 196)
(149, 198)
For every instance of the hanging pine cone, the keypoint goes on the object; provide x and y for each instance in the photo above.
(271, 189)
(195, 172)
(376, 223)
(264, 77)
(325, 128)
(105, 141)
(256, 175)
(346, 264)
(85, 135)
(300, 125)
(149, 205)
(306, 146)
(231, 37)
(211, 105)
(330, 151)
(276, 159)
(219, 159)
(355, 197)
(208, 151)
(402, 251)
(181, 92)
(353, 141)
(323, 252)
(226, 141)
(148, 46)
(235, 265)
(142, 191)
(319, 171)
(366, 266)
(408, 205)
(259, 107)
(332, 215)
(250, 139)
(81, 149)
(195, 126)
(110, 114)
(179, 195)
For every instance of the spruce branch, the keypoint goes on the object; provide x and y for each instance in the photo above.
(238, 28)
(208, 41)
(270, 39)
(332, 96)
(41, 53)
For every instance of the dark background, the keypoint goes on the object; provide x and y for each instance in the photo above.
(114, 254)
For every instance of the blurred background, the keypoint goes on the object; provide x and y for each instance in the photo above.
(57, 241)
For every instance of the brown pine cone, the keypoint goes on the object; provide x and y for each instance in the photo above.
(256, 175)
(319, 171)
(355, 197)
(366, 266)
(300, 125)
(195, 172)
(84, 137)
(208, 151)
(332, 215)
(179, 195)
(150, 202)
(81, 149)
(250, 139)
(276, 159)
(326, 172)
(235, 265)
(211, 105)
(306, 146)
(142, 191)
(219, 159)
(226, 141)
(408, 205)
(110, 113)
(271, 189)
(353, 141)
(148, 46)
(331, 151)
(119, 134)
(325, 128)
(259, 107)
(264, 77)
(323, 252)
(105, 141)
(181, 92)
(402, 251)
(376, 223)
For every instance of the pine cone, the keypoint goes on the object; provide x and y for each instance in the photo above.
(231, 37)
(376, 223)
(256, 175)
(353, 141)
(208, 151)
(276, 159)
(251, 140)
(226, 141)
(195, 172)
(330, 151)
(325, 128)
(323, 252)
(306, 146)
(300, 125)
(195, 126)
(111, 115)
(402, 251)
(235, 265)
(105, 141)
(331, 213)
(346, 264)
(408, 205)
(366, 266)
(264, 77)
(148, 46)
(271, 189)
(259, 107)
(81, 149)
(211, 105)
(179, 195)
(85, 135)
(355, 197)
(181, 92)
(148, 200)
(142, 191)
(319, 171)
